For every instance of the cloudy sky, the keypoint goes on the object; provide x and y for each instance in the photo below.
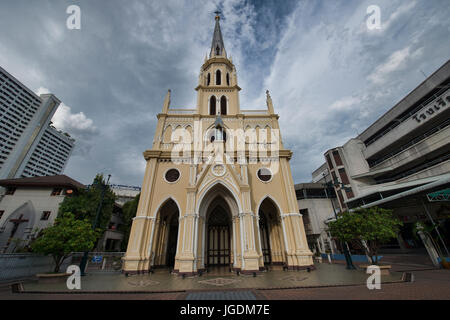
(328, 74)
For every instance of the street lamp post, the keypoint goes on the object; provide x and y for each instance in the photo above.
(94, 226)
(348, 257)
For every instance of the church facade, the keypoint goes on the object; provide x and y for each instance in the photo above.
(218, 187)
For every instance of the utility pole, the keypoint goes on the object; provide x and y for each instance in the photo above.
(94, 225)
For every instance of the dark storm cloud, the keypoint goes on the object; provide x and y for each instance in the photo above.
(328, 76)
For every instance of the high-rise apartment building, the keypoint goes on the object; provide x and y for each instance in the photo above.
(29, 145)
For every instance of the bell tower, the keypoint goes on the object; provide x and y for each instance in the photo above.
(217, 90)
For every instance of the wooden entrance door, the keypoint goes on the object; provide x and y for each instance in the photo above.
(218, 239)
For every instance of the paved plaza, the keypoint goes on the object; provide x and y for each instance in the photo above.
(328, 281)
(324, 275)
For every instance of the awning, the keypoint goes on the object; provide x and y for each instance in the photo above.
(413, 191)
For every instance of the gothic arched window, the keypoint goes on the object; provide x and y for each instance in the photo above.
(208, 79)
(228, 79)
(223, 105)
(217, 51)
(212, 106)
(218, 77)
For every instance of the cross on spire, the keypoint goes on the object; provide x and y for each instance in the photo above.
(217, 46)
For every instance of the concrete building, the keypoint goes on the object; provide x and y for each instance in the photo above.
(318, 204)
(124, 193)
(113, 236)
(29, 145)
(215, 205)
(29, 205)
(400, 159)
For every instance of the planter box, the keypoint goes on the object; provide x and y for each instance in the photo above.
(384, 269)
(52, 277)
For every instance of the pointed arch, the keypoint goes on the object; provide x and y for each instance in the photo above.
(26, 211)
(189, 131)
(268, 133)
(226, 186)
(177, 133)
(228, 79)
(275, 203)
(163, 202)
(212, 106)
(223, 105)
(208, 79)
(272, 235)
(218, 78)
(164, 239)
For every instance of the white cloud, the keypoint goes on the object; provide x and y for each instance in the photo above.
(345, 103)
(64, 119)
(42, 90)
(401, 10)
(395, 62)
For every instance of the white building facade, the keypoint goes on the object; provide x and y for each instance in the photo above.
(30, 205)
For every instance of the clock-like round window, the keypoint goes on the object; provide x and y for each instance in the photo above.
(264, 174)
(172, 175)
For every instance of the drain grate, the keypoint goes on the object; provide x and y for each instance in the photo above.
(221, 295)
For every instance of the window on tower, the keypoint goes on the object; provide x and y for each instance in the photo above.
(228, 79)
(223, 105)
(208, 79)
(217, 51)
(218, 77)
(212, 106)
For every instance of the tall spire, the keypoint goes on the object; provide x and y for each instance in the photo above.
(217, 46)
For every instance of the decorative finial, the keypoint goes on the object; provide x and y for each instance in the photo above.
(269, 102)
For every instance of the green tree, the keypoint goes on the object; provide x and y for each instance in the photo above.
(370, 228)
(129, 210)
(84, 203)
(67, 235)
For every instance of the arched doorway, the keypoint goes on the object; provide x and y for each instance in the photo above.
(218, 249)
(166, 234)
(271, 233)
(218, 235)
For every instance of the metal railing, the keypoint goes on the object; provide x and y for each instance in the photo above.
(100, 261)
(15, 266)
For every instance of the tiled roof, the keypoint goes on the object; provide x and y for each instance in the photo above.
(45, 181)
